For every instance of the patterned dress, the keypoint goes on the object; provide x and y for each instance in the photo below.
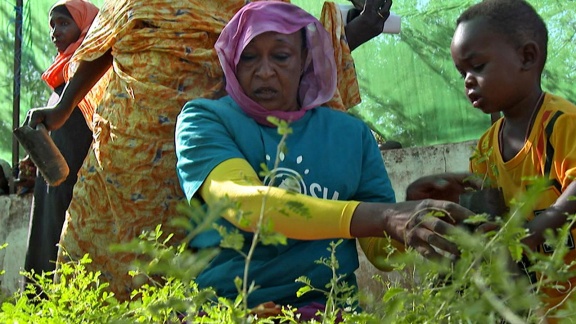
(163, 57)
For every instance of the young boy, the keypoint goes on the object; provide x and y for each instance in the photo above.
(499, 48)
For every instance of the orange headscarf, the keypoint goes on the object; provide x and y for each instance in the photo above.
(83, 12)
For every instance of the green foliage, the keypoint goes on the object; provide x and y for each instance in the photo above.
(339, 295)
(478, 287)
(67, 301)
(483, 158)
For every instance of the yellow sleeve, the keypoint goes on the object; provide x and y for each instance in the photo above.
(296, 216)
(378, 248)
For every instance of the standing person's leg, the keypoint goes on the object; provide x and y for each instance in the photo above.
(37, 259)
(50, 203)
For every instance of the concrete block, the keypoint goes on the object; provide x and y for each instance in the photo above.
(14, 220)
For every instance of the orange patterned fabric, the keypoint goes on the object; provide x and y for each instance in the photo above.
(163, 57)
(94, 96)
(348, 93)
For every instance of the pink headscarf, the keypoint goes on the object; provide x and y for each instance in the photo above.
(318, 82)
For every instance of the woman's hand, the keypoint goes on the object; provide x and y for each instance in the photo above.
(86, 76)
(52, 117)
(415, 223)
(447, 186)
(369, 23)
(375, 13)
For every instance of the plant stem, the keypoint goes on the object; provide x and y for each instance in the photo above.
(258, 229)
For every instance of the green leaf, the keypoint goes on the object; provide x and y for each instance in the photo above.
(302, 291)
(391, 293)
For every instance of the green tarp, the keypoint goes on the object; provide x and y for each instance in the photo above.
(411, 92)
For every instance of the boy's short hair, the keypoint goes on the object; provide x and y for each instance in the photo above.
(516, 19)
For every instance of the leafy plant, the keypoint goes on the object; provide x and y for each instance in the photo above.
(339, 295)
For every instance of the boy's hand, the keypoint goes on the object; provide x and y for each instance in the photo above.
(26, 176)
(447, 186)
(266, 310)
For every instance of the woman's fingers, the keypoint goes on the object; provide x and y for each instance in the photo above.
(455, 213)
(427, 230)
(384, 10)
(423, 225)
(34, 117)
(428, 236)
(52, 117)
(487, 227)
(428, 252)
(430, 249)
(370, 5)
(443, 244)
(380, 7)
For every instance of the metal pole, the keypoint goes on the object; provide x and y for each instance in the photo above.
(16, 88)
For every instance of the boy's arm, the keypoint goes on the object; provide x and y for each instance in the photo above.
(553, 217)
(445, 186)
(561, 131)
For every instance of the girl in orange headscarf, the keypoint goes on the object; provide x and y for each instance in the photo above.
(69, 22)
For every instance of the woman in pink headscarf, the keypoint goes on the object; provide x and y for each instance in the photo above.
(328, 183)
(69, 22)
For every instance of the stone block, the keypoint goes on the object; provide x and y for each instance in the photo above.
(14, 220)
